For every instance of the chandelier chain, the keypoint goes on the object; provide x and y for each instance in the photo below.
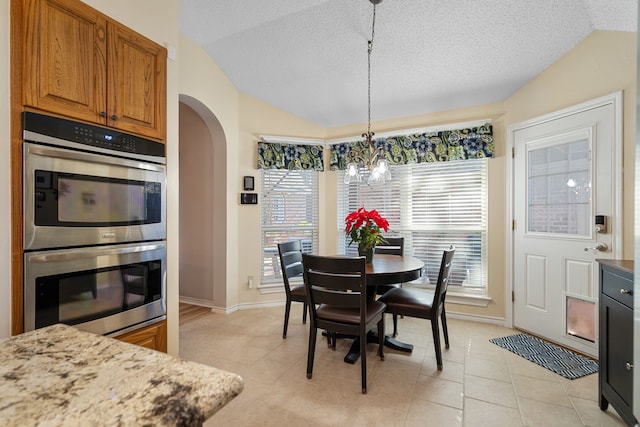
(374, 159)
(369, 50)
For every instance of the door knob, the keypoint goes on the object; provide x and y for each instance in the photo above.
(602, 247)
(629, 366)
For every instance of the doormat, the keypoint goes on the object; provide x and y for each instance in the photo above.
(556, 359)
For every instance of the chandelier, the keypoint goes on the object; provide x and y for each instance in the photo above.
(374, 159)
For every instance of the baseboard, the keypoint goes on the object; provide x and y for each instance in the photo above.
(229, 310)
(476, 318)
(196, 301)
(205, 303)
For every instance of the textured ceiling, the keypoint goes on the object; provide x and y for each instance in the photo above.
(309, 57)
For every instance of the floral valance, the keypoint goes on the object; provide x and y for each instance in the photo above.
(442, 146)
(272, 155)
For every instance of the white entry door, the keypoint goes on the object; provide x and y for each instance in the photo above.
(566, 169)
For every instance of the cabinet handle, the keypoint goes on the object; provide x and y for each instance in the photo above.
(103, 114)
(626, 291)
(629, 366)
(114, 117)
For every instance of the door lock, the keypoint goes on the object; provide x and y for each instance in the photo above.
(602, 247)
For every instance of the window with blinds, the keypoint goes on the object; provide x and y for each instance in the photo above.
(289, 211)
(433, 206)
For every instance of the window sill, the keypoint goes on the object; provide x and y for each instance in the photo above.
(468, 299)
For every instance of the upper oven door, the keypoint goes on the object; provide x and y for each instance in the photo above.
(73, 198)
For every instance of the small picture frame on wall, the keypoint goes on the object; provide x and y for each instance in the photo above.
(248, 183)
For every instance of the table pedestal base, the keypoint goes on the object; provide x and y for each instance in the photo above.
(372, 337)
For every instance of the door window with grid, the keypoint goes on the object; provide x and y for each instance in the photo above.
(289, 211)
(433, 206)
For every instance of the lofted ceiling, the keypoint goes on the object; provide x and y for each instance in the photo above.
(309, 57)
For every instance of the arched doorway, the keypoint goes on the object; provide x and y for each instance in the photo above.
(202, 208)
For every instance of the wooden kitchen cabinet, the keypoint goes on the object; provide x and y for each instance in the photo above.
(615, 385)
(81, 64)
(153, 336)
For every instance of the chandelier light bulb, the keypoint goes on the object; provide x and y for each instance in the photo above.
(383, 166)
(351, 174)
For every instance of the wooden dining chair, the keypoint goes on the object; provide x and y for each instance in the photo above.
(425, 304)
(392, 246)
(337, 298)
(290, 254)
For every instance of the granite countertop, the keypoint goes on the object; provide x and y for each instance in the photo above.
(60, 375)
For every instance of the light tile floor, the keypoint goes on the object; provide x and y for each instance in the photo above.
(480, 385)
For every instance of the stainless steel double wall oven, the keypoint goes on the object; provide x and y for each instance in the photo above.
(94, 226)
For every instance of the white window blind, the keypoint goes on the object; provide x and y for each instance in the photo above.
(289, 211)
(433, 206)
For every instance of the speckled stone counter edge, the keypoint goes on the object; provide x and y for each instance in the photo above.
(59, 375)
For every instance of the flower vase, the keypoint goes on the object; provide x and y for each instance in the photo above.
(367, 253)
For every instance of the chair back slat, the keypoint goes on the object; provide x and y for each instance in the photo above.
(336, 298)
(347, 281)
(392, 246)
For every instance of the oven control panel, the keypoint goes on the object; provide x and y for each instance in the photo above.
(55, 129)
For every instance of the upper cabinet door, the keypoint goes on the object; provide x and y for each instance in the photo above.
(136, 82)
(65, 59)
(81, 64)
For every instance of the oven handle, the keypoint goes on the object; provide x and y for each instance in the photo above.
(81, 253)
(60, 153)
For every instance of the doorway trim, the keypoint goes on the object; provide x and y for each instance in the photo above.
(615, 99)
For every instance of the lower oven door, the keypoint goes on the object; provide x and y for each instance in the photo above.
(99, 289)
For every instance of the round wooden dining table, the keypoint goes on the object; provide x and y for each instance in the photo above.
(387, 270)
(390, 269)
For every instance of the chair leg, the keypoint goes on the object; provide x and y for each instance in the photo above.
(363, 361)
(304, 314)
(287, 309)
(381, 338)
(445, 332)
(395, 325)
(312, 350)
(435, 329)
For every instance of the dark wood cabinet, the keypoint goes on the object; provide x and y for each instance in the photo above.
(615, 384)
(82, 64)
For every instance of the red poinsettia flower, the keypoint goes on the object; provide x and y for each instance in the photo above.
(364, 227)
